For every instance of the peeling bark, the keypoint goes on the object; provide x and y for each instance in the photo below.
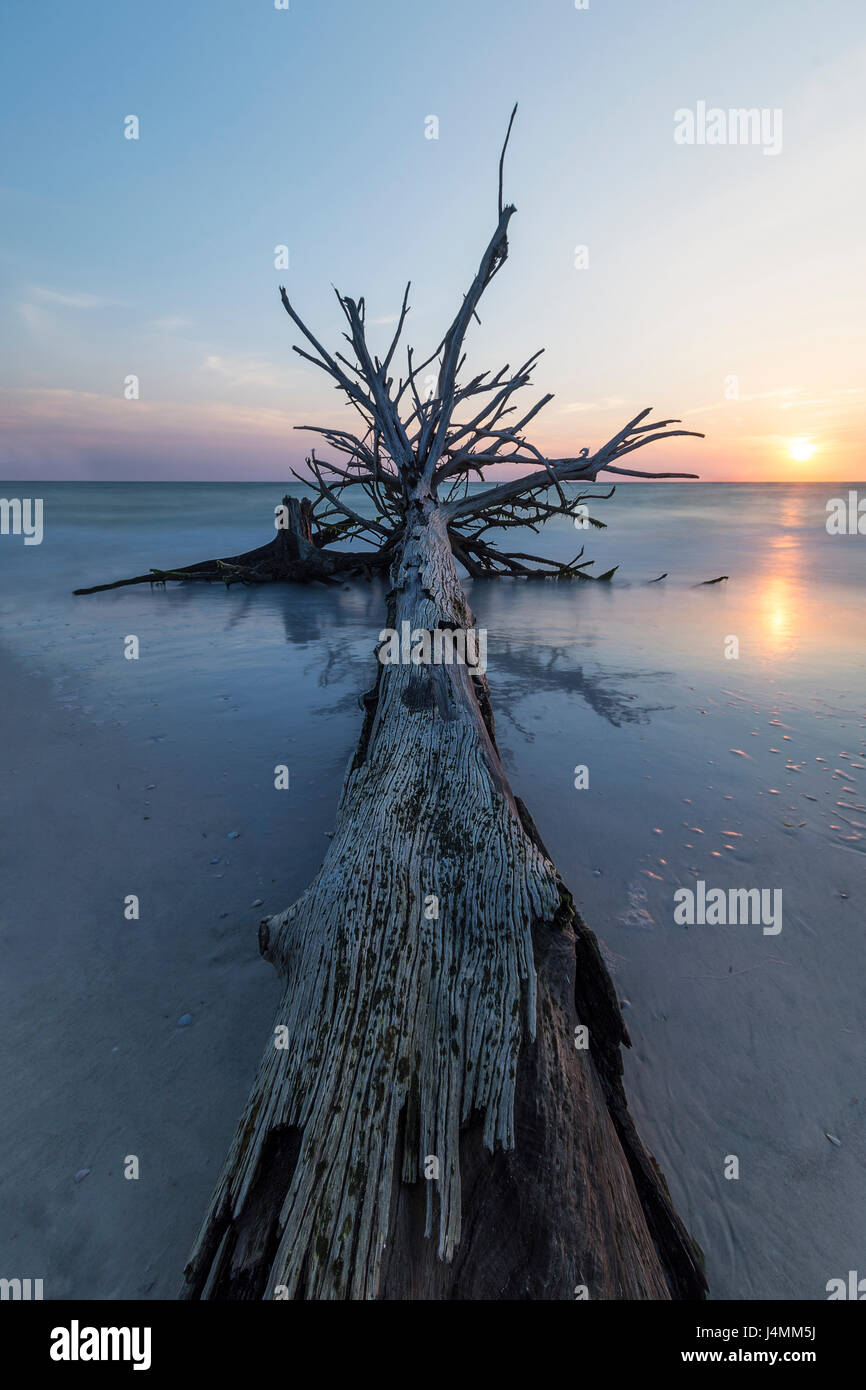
(452, 1037)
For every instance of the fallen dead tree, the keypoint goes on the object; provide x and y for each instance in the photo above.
(439, 1112)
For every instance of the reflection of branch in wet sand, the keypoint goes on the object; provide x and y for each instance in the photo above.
(534, 670)
(520, 669)
(308, 615)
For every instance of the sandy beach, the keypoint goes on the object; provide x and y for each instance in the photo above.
(98, 1067)
(129, 777)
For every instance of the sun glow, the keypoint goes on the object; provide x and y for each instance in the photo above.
(800, 450)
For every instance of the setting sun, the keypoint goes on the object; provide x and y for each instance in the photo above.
(800, 450)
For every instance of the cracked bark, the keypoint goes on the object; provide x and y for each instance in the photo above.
(411, 1038)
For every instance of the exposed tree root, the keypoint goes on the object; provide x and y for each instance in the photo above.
(294, 556)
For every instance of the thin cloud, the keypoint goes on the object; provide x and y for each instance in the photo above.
(172, 323)
(580, 407)
(783, 393)
(75, 299)
(245, 370)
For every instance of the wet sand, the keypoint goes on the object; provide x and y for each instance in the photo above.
(97, 1066)
(127, 778)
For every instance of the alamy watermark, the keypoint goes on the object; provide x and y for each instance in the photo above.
(443, 646)
(846, 516)
(22, 516)
(738, 125)
(20, 1289)
(77, 1343)
(855, 1288)
(716, 907)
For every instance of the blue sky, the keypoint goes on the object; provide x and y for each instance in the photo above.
(306, 127)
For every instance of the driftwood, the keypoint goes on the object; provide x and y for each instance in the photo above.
(439, 1112)
(294, 556)
(451, 1038)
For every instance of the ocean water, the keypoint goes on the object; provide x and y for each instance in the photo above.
(794, 597)
(723, 732)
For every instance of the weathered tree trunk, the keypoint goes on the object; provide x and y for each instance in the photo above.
(426, 1121)
(412, 1036)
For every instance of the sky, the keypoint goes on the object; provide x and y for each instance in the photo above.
(720, 278)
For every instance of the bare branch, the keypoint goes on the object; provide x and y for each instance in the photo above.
(324, 360)
(502, 156)
(430, 445)
(583, 468)
(402, 319)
